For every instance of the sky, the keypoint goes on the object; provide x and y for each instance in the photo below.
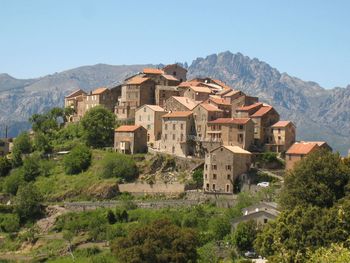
(307, 39)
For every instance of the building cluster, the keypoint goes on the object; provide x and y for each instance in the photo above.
(201, 117)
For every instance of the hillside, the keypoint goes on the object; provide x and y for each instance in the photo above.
(320, 114)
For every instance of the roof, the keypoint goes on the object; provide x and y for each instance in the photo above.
(169, 77)
(262, 111)
(155, 107)
(187, 102)
(249, 107)
(219, 101)
(230, 120)
(137, 80)
(127, 128)
(177, 114)
(234, 149)
(281, 124)
(272, 214)
(212, 85)
(189, 83)
(171, 65)
(153, 71)
(99, 91)
(231, 93)
(302, 148)
(210, 107)
(75, 93)
(319, 143)
(200, 89)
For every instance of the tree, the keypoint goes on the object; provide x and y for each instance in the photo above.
(5, 166)
(22, 143)
(111, 217)
(319, 179)
(198, 178)
(9, 223)
(336, 253)
(160, 241)
(31, 168)
(77, 160)
(42, 142)
(244, 235)
(98, 125)
(13, 181)
(119, 166)
(208, 253)
(219, 227)
(28, 202)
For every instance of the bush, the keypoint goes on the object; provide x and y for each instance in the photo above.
(9, 223)
(119, 166)
(28, 202)
(197, 177)
(42, 143)
(77, 160)
(31, 168)
(22, 143)
(13, 181)
(244, 236)
(219, 227)
(5, 166)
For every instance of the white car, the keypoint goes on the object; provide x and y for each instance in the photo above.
(264, 184)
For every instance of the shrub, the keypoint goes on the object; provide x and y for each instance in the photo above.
(22, 143)
(13, 181)
(244, 235)
(42, 143)
(31, 168)
(5, 166)
(119, 166)
(9, 223)
(77, 160)
(197, 177)
(28, 202)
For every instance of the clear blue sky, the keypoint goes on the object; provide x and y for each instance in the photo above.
(309, 39)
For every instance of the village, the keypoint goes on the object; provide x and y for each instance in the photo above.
(160, 111)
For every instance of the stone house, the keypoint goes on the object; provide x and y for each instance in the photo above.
(223, 167)
(102, 97)
(202, 114)
(163, 93)
(248, 110)
(222, 104)
(176, 71)
(76, 101)
(176, 103)
(261, 213)
(198, 93)
(150, 117)
(232, 131)
(130, 139)
(282, 136)
(301, 149)
(160, 77)
(135, 92)
(263, 119)
(178, 131)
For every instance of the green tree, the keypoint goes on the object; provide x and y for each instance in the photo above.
(244, 235)
(9, 223)
(208, 253)
(98, 126)
(5, 166)
(336, 253)
(13, 181)
(31, 167)
(319, 179)
(22, 143)
(197, 177)
(28, 202)
(77, 160)
(219, 227)
(119, 166)
(160, 241)
(42, 142)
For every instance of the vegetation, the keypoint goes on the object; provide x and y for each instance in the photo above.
(28, 202)
(245, 235)
(77, 160)
(98, 127)
(5, 166)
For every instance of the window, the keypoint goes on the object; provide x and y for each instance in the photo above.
(173, 136)
(206, 176)
(144, 109)
(174, 127)
(207, 187)
(213, 187)
(279, 138)
(265, 220)
(214, 167)
(228, 167)
(182, 137)
(240, 127)
(182, 126)
(240, 138)
(214, 176)
(227, 188)
(228, 177)
(279, 130)
(148, 127)
(289, 157)
(206, 167)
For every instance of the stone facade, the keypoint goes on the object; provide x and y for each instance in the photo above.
(176, 71)
(177, 132)
(223, 167)
(150, 117)
(282, 136)
(197, 93)
(163, 93)
(176, 103)
(76, 101)
(130, 139)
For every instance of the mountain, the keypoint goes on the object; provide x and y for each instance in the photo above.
(320, 114)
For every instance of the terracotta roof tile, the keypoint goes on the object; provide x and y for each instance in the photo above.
(281, 124)
(99, 91)
(231, 93)
(189, 83)
(249, 107)
(262, 111)
(219, 101)
(137, 80)
(169, 77)
(187, 102)
(177, 114)
(201, 89)
(170, 65)
(127, 128)
(302, 148)
(153, 71)
(76, 93)
(237, 149)
(230, 120)
(210, 107)
(155, 107)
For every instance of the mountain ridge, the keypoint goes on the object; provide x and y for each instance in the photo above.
(318, 112)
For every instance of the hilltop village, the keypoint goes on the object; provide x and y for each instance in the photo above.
(161, 111)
